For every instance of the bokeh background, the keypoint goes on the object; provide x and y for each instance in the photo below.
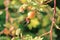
(37, 26)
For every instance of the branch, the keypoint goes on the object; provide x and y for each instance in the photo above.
(48, 1)
(43, 2)
(45, 34)
(53, 20)
(6, 3)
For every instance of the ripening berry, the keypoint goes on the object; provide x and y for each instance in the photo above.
(11, 28)
(31, 14)
(6, 31)
(21, 9)
(27, 20)
(29, 7)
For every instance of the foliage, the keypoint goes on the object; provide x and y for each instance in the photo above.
(28, 20)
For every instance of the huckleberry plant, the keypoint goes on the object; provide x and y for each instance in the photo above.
(29, 19)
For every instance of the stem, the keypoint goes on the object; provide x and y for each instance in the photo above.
(51, 31)
(45, 34)
(7, 15)
(6, 3)
(53, 20)
(54, 8)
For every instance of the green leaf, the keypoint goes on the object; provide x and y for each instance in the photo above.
(1, 2)
(4, 38)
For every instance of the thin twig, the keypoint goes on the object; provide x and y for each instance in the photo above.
(7, 15)
(45, 34)
(42, 2)
(48, 1)
(53, 20)
(6, 3)
(51, 31)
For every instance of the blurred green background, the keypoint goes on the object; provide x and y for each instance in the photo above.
(40, 29)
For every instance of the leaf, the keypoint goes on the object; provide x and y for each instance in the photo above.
(23, 1)
(45, 21)
(37, 38)
(7, 25)
(18, 31)
(34, 23)
(4, 38)
(15, 38)
(13, 2)
(1, 2)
